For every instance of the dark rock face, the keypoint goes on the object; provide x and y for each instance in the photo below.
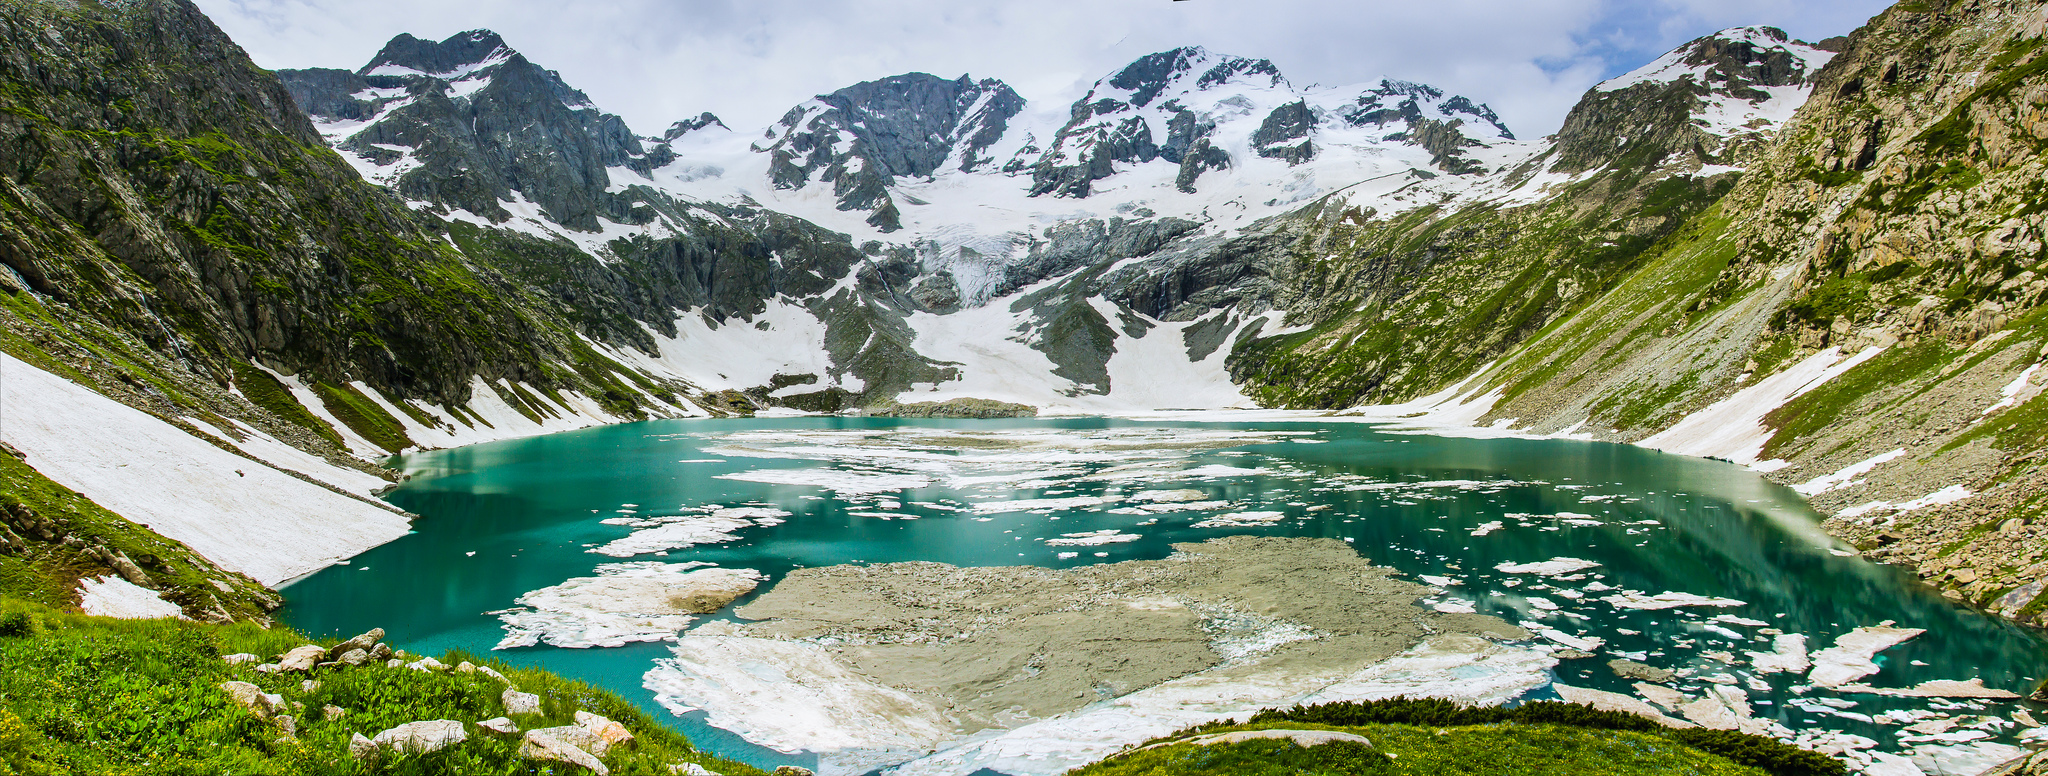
(329, 92)
(1105, 126)
(703, 121)
(459, 50)
(1284, 134)
(483, 123)
(861, 138)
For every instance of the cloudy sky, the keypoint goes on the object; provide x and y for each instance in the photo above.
(655, 61)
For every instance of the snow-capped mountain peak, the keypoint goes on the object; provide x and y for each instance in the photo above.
(860, 139)
(459, 55)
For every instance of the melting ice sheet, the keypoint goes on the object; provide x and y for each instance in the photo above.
(1682, 565)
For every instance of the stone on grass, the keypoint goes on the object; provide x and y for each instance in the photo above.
(380, 652)
(393, 663)
(791, 770)
(240, 657)
(255, 699)
(288, 724)
(563, 744)
(308, 686)
(517, 702)
(361, 748)
(612, 732)
(465, 667)
(427, 664)
(492, 673)
(499, 725)
(331, 711)
(301, 658)
(690, 769)
(268, 668)
(363, 642)
(415, 738)
(353, 657)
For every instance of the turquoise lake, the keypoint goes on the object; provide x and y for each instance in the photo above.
(502, 519)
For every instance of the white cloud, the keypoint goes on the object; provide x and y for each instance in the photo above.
(655, 61)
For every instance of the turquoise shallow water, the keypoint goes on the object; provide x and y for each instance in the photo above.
(506, 518)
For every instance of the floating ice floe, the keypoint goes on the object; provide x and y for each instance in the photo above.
(677, 532)
(1963, 760)
(1582, 643)
(1186, 494)
(844, 483)
(1938, 688)
(1734, 620)
(1030, 504)
(1488, 527)
(1549, 568)
(1630, 599)
(1092, 538)
(1789, 656)
(1241, 519)
(1850, 658)
(625, 602)
(1724, 707)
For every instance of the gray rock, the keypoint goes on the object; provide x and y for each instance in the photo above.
(240, 658)
(301, 658)
(610, 732)
(417, 737)
(1572, 654)
(690, 769)
(563, 744)
(380, 652)
(500, 725)
(253, 698)
(792, 770)
(362, 642)
(331, 711)
(1629, 669)
(268, 668)
(287, 724)
(308, 685)
(361, 748)
(427, 664)
(517, 702)
(353, 657)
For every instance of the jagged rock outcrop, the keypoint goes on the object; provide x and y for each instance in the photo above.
(861, 138)
(468, 123)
